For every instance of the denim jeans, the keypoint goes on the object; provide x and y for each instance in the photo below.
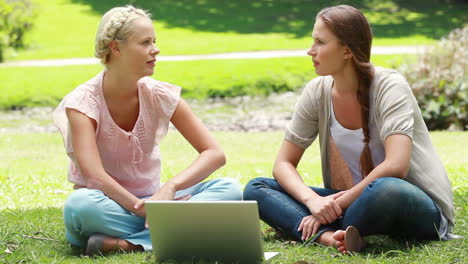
(89, 211)
(387, 206)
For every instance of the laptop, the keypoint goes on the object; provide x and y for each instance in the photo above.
(227, 231)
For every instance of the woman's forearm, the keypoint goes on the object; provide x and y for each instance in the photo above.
(288, 177)
(382, 170)
(206, 163)
(105, 183)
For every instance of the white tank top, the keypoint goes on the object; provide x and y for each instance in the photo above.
(351, 142)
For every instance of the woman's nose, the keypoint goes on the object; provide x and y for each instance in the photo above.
(311, 51)
(155, 50)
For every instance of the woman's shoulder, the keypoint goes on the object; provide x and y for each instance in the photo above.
(89, 89)
(382, 74)
(157, 86)
(389, 81)
(159, 93)
(318, 87)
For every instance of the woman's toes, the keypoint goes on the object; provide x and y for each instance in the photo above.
(339, 235)
(339, 243)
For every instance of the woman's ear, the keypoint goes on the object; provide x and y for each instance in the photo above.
(348, 54)
(114, 47)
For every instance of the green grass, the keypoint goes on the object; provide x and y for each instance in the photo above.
(46, 86)
(66, 28)
(33, 187)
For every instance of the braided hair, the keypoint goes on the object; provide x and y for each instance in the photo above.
(116, 24)
(353, 30)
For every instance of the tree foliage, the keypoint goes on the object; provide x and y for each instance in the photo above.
(16, 19)
(439, 81)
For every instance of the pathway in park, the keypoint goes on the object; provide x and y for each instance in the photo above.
(377, 50)
(245, 113)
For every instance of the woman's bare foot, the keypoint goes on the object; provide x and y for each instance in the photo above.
(102, 244)
(349, 240)
(327, 239)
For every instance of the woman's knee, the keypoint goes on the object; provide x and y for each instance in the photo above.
(391, 189)
(252, 188)
(232, 188)
(82, 204)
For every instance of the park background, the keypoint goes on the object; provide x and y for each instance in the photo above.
(33, 163)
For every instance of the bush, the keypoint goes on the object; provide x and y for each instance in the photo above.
(16, 18)
(438, 79)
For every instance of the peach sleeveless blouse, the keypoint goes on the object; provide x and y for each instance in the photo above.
(132, 158)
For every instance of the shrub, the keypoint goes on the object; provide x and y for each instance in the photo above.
(438, 79)
(16, 18)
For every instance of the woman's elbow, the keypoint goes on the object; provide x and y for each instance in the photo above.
(93, 177)
(398, 170)
(277, 168)
(93, 183)
(219, 158)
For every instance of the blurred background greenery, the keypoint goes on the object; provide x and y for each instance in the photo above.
(57, 29)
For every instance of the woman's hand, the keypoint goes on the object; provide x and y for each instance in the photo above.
(166, 193)
(325, 208)
(309, 227)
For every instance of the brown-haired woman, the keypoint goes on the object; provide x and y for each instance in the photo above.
(380, 170)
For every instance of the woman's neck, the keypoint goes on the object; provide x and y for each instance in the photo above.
(119, 84)
(346, 82)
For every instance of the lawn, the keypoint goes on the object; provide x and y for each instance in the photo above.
(33, 187)
(66, 28)
(46, 86)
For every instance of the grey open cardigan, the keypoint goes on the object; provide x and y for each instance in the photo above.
(395, 111)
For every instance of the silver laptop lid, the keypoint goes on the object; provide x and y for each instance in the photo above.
(220, 230)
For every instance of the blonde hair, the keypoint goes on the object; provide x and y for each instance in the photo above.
(116, 24)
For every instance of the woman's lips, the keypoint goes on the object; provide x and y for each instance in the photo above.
(151, 62)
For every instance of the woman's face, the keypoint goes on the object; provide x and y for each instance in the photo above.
(138, 52)
(328, 54)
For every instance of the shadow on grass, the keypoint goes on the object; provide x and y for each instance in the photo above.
(390, 18)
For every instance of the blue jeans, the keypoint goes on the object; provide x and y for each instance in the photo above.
(387, 206)
(89, 211)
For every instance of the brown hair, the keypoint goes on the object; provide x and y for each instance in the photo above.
(352, 29)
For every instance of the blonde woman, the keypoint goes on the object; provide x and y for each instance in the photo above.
(112, 126)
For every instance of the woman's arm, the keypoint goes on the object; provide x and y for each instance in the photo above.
(325, 209)
(396, 164)
(210, 158)
(86, 157)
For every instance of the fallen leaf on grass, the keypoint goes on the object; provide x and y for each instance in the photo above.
(290, 242)
(10, 247)
(269, 230)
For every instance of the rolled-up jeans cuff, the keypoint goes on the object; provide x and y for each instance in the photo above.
(319, 233)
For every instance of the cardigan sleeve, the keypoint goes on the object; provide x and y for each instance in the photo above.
(304, 125)
(395, 106)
